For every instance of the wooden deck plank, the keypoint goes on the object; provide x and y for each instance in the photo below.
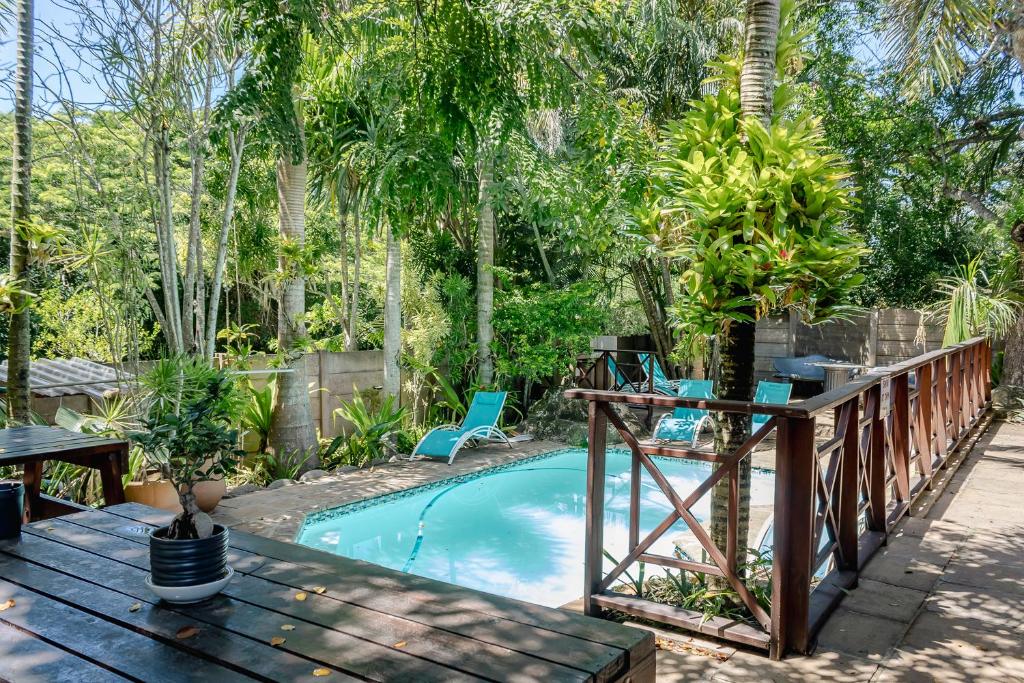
(562, 621)
(432, 645)
(325, 646)
(27, 659)
(443, 605)
(124, 651)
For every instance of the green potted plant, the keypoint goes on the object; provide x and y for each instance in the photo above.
(195, 442)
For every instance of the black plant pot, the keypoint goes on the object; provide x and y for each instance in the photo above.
(191, 562)
(12, 508)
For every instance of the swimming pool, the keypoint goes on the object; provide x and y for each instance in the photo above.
(516, 530)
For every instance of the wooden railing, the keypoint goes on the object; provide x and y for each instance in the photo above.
(836, 497)
(594, 371)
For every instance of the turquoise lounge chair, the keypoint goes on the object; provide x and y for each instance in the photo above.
(662, 384)
(619, 381)
(481, 424)
(769, 392)
(685, 424)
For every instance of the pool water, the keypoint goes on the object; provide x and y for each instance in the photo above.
(515, 530)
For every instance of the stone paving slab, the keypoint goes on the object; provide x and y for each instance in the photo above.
(279, 513)
(944, 601)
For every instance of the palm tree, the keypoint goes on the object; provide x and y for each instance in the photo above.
(292, 432)
(736, 343)
(268, 93)
(20, 339)
(393, 315)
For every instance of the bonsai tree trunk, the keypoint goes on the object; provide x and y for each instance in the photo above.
(484, 270)
(736, 347)
(19, 337)
(393, 316)
(292, 433)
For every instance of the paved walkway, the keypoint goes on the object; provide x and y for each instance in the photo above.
(944, 601)
(278, 513)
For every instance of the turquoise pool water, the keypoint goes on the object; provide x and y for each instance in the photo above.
(515, 530)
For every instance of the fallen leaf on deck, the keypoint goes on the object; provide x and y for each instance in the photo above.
(319, 673)
(49, 528)
(186, 632)
(287, 627)
(136, 606)
(300, 596)
(277, 640)
(7, 605)
(319, 590)
(400, 644)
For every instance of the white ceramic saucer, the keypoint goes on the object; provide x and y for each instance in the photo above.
(186, 595)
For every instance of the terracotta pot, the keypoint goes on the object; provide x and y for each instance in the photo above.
(157, 494)
(209, 493)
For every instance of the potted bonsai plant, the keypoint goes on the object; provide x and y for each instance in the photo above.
(195, 442)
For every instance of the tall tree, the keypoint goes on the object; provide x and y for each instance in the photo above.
(393, 314)
(269, 92)
(20, 339)
(735, 347)
(937, 44)
(758, 213)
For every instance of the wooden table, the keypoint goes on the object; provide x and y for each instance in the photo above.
(32, 446)
(82, 612)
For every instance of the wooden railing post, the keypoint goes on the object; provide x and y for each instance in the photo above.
(849, 486)
(924, 421)
(956, 393)
(793, 530)
(593, 561)
(987, 369)
(876, 460)
(901, 436)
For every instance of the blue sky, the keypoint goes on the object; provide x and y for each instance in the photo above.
(54, 23)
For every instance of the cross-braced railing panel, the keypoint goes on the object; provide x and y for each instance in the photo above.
(723, 564)
(835, 500)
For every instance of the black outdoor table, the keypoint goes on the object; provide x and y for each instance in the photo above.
(32, 446)
(82, 612)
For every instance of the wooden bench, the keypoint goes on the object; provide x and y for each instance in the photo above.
(82, 612)
(32, 446)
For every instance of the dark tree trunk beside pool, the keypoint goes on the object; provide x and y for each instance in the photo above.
(735, 383)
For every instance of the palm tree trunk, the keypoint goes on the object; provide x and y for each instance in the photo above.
(393, 316)
(646, 285)
(236, 144)
(757, 79)
(292, 433)
(351, 343)
(485, 270)
(736, 346)
(19, 336)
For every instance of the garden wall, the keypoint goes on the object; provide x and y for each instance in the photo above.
(880, 337)
(333, 377)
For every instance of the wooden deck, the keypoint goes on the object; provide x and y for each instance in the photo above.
(81, 611)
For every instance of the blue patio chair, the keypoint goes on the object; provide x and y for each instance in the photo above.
(619, 381)
(662, 384)
(480, 424)
(685, 424)
(769, 392)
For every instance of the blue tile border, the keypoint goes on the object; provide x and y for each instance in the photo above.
(313, 518)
